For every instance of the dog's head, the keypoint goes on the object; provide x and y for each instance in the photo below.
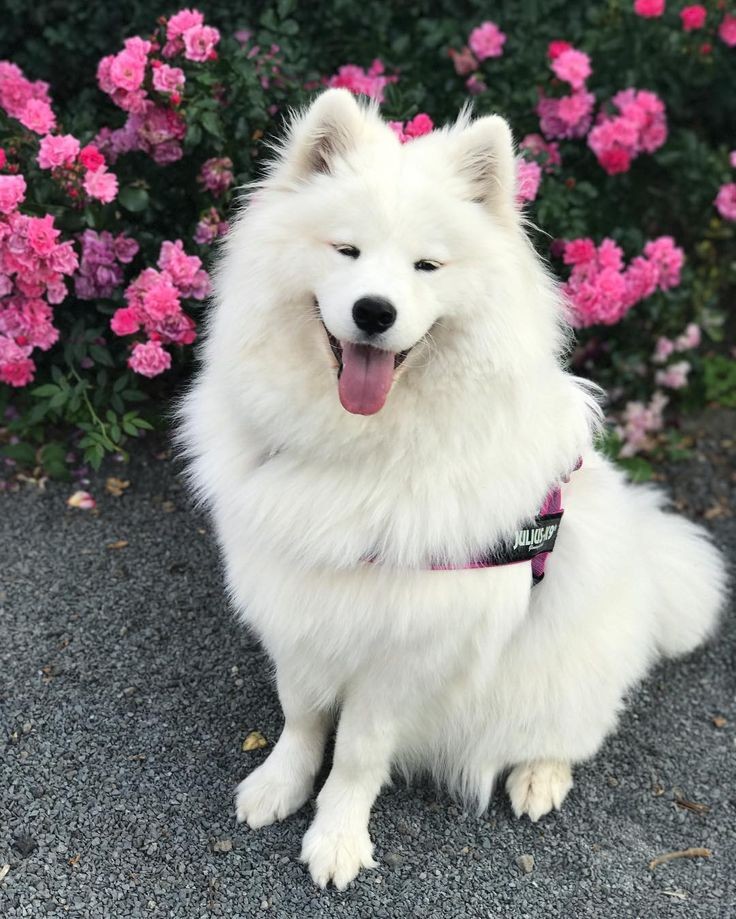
(397, 251)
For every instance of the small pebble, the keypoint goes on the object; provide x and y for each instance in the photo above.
(222, 845)
(24, 844)
(525, 863)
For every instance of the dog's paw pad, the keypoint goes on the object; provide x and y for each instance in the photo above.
(268, 795)
(336, 855)
(536, 788)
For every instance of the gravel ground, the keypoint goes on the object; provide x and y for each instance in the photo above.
(126, 690)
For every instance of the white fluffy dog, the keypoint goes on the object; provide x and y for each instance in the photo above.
(382, 407)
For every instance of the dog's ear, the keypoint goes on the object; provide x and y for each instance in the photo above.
(327, 130)
(484, 154)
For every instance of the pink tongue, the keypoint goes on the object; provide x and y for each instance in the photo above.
(366, 378)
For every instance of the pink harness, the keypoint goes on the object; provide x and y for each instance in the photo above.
(532, 543)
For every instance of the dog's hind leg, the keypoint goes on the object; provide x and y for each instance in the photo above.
(537, 787)
(284, 782)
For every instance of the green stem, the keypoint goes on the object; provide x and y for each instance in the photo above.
(109, 444)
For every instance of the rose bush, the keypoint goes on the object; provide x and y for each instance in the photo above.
(116, 185)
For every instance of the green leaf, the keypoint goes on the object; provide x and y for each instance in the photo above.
(101, 355)
(22, 453)
(120, 383)
(637, 468)
(53, 460)
(194, 135)
(94, 456)
(133, 198)
(211, 122)
(59, 399)
(47, 389)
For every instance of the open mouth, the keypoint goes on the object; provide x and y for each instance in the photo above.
(336, 348)
(365, 374)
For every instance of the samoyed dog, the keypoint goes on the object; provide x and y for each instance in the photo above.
(381, 424)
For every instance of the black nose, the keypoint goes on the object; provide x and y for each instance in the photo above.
(373, 315)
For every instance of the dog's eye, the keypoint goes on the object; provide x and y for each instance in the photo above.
(349, 251)
(426, 264)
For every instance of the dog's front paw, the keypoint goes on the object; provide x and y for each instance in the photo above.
(336, 855)
(270, 793)
(535, 788)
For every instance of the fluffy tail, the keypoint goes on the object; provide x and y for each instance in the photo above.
(690, 577)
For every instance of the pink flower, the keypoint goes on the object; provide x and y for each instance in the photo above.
(556, 47)
(650, 9)
(663, 349)
(567, 117)
(216, 175)
(725, 201)
(199, 42)
(124, 248)
(370, 83)
(579, 252)
(642, 277)
(42, 235)
(101, 185)
(640, 127)
(528, 178)
(487, 40)
(181, 21)
(610, 255)
(639, 422)
(211, 225)
(601, 290)
(537, 146)
(475, 85)
(185, 270)
(149, 359)
(125, 321)
(162, 300)
(463, 61)
(91, 158)
(104, 81)
(575, 108)
(127, 71)
(689, 339)
(668, 258)
(572, 66)
(38, 117)
(419, 125)
(674, 376)
(615, 160)
(693, 17)
(727, 30)
(732, 159)
(16, 368)
(57, 150)
(12, 192)
(168, 79)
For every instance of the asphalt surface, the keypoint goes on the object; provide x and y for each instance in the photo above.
(127, 689)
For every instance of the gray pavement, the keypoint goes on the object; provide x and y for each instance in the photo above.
(127, 688)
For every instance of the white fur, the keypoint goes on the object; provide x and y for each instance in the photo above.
(462, 673)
